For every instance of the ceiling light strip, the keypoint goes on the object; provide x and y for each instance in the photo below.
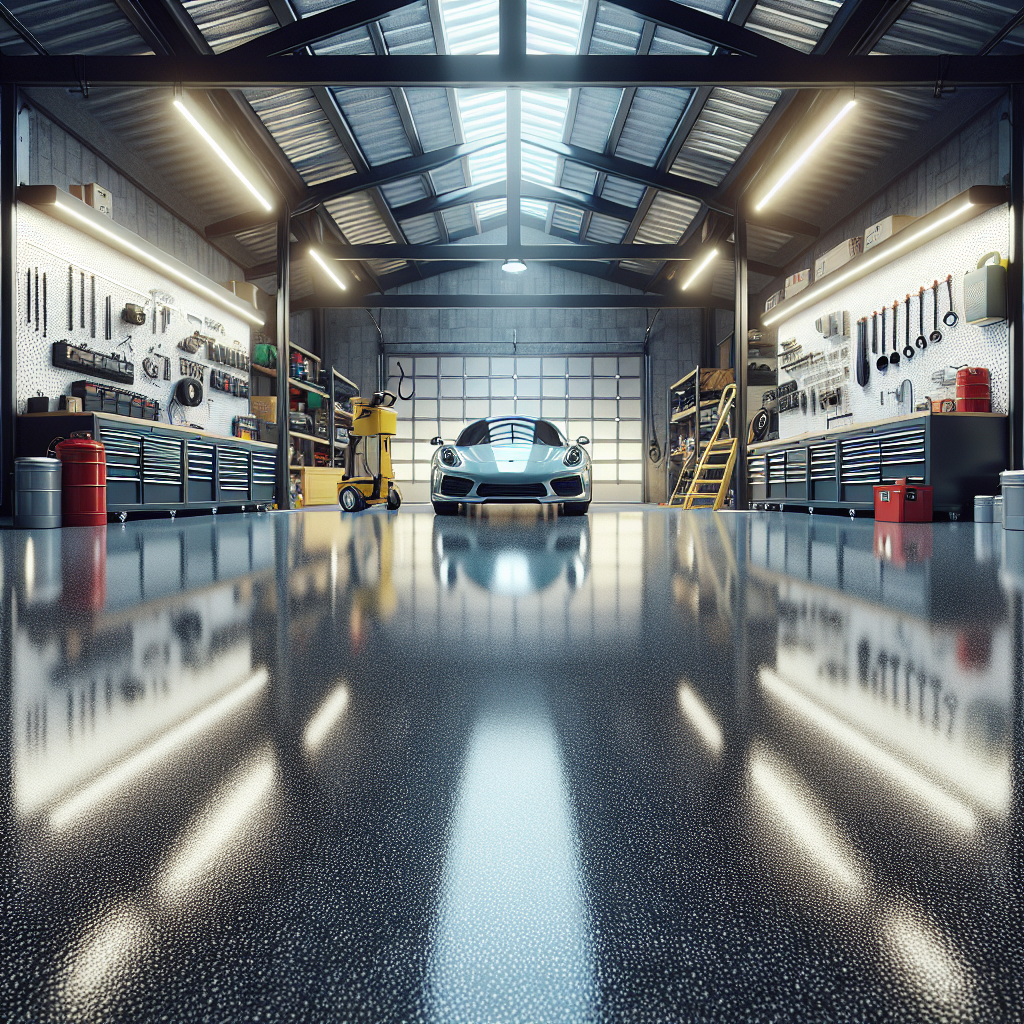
(974, 201)
(327, 270)
(49, 199)
(704, 263)
(219, 150)
(802, 158)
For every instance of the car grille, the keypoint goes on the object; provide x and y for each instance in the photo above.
(567, 486)
(511, 490)
(456, 486)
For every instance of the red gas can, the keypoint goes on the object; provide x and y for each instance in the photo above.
(83, 499)
(900, 503)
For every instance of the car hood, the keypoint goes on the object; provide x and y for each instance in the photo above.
(500, 456)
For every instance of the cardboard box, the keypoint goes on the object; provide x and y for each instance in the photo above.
(264, 407)
(883, 229)
(772, 301)
(95, 196)
(797, 283)
(838, 257)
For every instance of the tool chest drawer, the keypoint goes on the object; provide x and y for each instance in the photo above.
(156, 466)
(958, 455)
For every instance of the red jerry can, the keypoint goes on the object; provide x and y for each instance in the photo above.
(900, 503)
(83, 500)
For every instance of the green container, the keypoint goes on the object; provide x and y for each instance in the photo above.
(313, 401)
(265, 355)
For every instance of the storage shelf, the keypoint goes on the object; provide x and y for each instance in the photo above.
(295, 383)
(967, 205)
(308, 437)
(302, 351)
(686, 413)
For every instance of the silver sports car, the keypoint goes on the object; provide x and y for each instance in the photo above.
(510, 459)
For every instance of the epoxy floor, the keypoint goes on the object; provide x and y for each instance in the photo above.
(645, 766)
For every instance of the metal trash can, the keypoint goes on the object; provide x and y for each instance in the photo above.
(983, 508)
(37, 493)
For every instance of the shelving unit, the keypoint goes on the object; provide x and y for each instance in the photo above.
(701, 390)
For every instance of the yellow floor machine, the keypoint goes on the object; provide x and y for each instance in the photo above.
(372, 479)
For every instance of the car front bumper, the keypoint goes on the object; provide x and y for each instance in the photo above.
(451, 485)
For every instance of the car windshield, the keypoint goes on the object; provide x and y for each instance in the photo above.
(510, 430)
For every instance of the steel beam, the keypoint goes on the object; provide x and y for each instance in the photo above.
(389, 300)
(451, 200)
(483, 252)
(283, 355)
(396, 170)
(549, 71)
(514, 158)
(317, 27)
(12, 19)
(739, 356)
(1015, 277)
(8, 292)
(708, 28)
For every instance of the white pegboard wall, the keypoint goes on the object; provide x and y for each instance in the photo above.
(954, 252)
(50, 246)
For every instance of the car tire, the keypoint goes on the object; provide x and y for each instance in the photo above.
(351, 500)
(445, 508)
(575, 508)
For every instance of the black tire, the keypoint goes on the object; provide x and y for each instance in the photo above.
(351, 500)
(394, 502)
(445, 508)
(576, 508)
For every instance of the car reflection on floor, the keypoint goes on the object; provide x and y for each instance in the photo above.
(512, 560)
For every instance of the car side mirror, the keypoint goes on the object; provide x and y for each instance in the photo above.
(436, 441)
(582, 440)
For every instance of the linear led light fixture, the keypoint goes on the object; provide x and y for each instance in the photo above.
(969, 203)
(75, 213)
(179, 102)
(327, 270)
(704, 263)
(802, 158)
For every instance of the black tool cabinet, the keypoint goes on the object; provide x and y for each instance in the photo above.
(958, 454)
(153, 467)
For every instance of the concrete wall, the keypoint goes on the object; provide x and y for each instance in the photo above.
(54, 157)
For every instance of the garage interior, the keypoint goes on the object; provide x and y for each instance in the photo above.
(293, 730)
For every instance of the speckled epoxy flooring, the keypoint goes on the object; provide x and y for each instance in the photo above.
(647, 766)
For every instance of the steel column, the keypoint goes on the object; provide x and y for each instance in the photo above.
(739, 353)
(1015, 278)
(8, 292)
(283, 356)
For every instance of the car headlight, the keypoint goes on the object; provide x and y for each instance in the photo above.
(450, 457)
(574, 456)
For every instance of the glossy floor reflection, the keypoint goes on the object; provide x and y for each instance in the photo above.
(645, 766)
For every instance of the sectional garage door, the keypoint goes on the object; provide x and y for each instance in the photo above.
(598, 396)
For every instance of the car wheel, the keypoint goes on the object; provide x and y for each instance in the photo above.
(446, 508)
(576, 508)
(351, 500)
(394, 499)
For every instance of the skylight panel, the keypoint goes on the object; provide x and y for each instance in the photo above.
(483, 113)
(553, 26)
(470, 26)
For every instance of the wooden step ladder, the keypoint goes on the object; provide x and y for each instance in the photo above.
(710, 483)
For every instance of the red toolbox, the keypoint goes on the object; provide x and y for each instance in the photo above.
(902, 503)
